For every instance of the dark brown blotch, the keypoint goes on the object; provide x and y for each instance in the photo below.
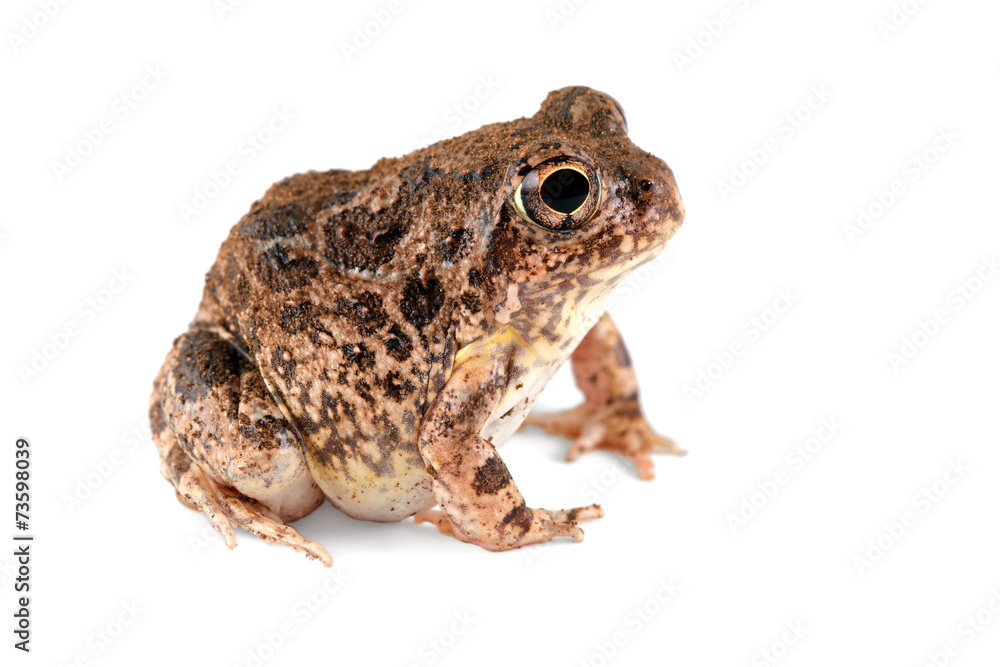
(421, 301)
(282, 270)
(271, 223)
(492, 477)
(179, 462)
(608, 245)
(472, 301)
(364, 311)
(299, 318)
(520, 517)
(157, 420)
(396, 386)
(358, 239)
(204, 362)
(283, 362)
(398, 345)
(621, 352)
(359, 355)
(455, 245)
(260, 433)
(363, 390)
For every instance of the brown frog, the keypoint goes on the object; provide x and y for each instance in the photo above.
(370, 337)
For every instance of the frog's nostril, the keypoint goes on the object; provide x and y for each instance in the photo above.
(645, 185)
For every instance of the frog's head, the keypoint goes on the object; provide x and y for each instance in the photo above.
(582, 205)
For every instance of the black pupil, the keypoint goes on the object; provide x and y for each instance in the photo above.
(565, 190)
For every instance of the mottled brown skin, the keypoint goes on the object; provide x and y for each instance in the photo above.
(370, 337)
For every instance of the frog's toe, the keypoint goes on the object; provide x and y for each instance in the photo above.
(565, 423)
(227, 508)
(195, 490)
(661, 444)
(620, 428)
(259, 520)
(437, 518)
(563, 523)
(588, 513)
(545, 524)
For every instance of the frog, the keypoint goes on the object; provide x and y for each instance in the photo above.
(370, 338)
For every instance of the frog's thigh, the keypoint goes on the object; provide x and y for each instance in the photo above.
(220, 414)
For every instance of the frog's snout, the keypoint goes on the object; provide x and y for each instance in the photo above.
(659, 199)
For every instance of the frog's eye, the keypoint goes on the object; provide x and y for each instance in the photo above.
(559, 194)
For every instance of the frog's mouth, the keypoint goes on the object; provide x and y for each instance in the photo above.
(604, 279)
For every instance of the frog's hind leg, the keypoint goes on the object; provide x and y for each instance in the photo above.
(225, 446)
(610, 417)
(227, 508)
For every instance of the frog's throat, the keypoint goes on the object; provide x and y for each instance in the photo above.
(602, 279)
(527, 341)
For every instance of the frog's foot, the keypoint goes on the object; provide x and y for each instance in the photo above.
(545, 524)
(227, 508)
(619, 427)
(436, 517)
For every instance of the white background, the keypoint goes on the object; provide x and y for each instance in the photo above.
(854, 300)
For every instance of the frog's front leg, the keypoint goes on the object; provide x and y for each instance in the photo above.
(610, 417)
(479, 501)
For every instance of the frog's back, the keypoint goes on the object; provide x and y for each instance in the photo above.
(315, 285)
(352, 291)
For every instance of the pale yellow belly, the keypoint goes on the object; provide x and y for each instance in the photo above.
(360, 492)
